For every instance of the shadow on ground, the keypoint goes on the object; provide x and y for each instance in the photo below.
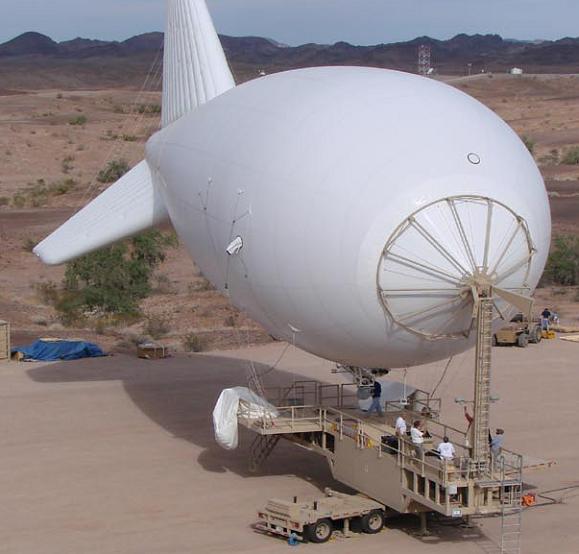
(179, 394)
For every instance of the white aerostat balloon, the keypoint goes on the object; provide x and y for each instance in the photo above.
(347, 209)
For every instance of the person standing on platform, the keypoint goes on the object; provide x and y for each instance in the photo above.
(376, 399)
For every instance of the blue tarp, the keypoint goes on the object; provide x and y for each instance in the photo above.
(53, 351)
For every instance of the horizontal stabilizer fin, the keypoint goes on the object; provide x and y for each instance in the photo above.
(195, 69)
(126, 208)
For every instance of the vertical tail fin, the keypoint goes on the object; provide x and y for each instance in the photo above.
(195, 68)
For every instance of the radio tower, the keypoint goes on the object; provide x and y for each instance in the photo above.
(424, 66)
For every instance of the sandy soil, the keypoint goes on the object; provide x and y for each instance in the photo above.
(117, 455)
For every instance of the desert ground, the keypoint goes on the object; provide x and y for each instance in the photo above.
(116, 455)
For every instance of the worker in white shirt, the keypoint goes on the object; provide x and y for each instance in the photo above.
(446, 450)
(417, 437)
(400, 426)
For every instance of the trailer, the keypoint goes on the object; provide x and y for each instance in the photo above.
(366, 454)
(315, 520)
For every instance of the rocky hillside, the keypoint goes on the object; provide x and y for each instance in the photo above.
(33, 61)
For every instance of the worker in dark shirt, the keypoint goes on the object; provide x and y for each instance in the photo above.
(376, 399)
(545, 319)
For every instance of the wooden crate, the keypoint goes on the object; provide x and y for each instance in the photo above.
(152, 351)
(4, 340)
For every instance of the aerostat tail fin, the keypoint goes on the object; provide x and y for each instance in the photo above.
(195, 69)
(126, 208)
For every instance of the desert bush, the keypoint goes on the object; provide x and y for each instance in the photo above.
(37, 194)
(40, 320)
(62, 187)
(116, 278)
(78, 120)
(571, 156)
(158, 325)
(4, 201)
(149, 109)
(229, 321)
(129, 138)
(202, 285)
(163, 284)
(113, 172)
(47, 292)
(28, 245)
(193, 343)
(19, 200)
(67, 164)
(563, 263)
(529, 143)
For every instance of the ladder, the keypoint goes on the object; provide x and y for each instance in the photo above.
(482, 380)
(511, 519)
(260, 450)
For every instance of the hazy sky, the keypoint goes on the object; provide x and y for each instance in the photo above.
(300, 21)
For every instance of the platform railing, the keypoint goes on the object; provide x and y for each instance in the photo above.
(294, 418)
(345, 396)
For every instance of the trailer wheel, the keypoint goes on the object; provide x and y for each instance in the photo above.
(373, 522)
(523, 340)
(320, 531)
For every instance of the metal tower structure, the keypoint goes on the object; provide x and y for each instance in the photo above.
(424, 59)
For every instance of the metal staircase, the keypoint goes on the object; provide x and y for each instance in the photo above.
(260, 450)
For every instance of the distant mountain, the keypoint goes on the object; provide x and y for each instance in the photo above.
(28, 44)
(78, 44)
(33, 60)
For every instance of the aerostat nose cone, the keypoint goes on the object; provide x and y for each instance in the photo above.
(434, 258)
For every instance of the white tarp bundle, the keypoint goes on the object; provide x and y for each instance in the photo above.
(231, 402)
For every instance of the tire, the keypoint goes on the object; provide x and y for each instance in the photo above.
(522, 340)
(539, 334)
(373, 522)
(320, 531)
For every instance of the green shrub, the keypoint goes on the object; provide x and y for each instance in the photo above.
(19, 200)
(563, 263)
(571, 157)
(116, 278)
(149, 109)
(529, 143)
(113, 172)
(63, 187)
(79, 120)
(29, 244)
